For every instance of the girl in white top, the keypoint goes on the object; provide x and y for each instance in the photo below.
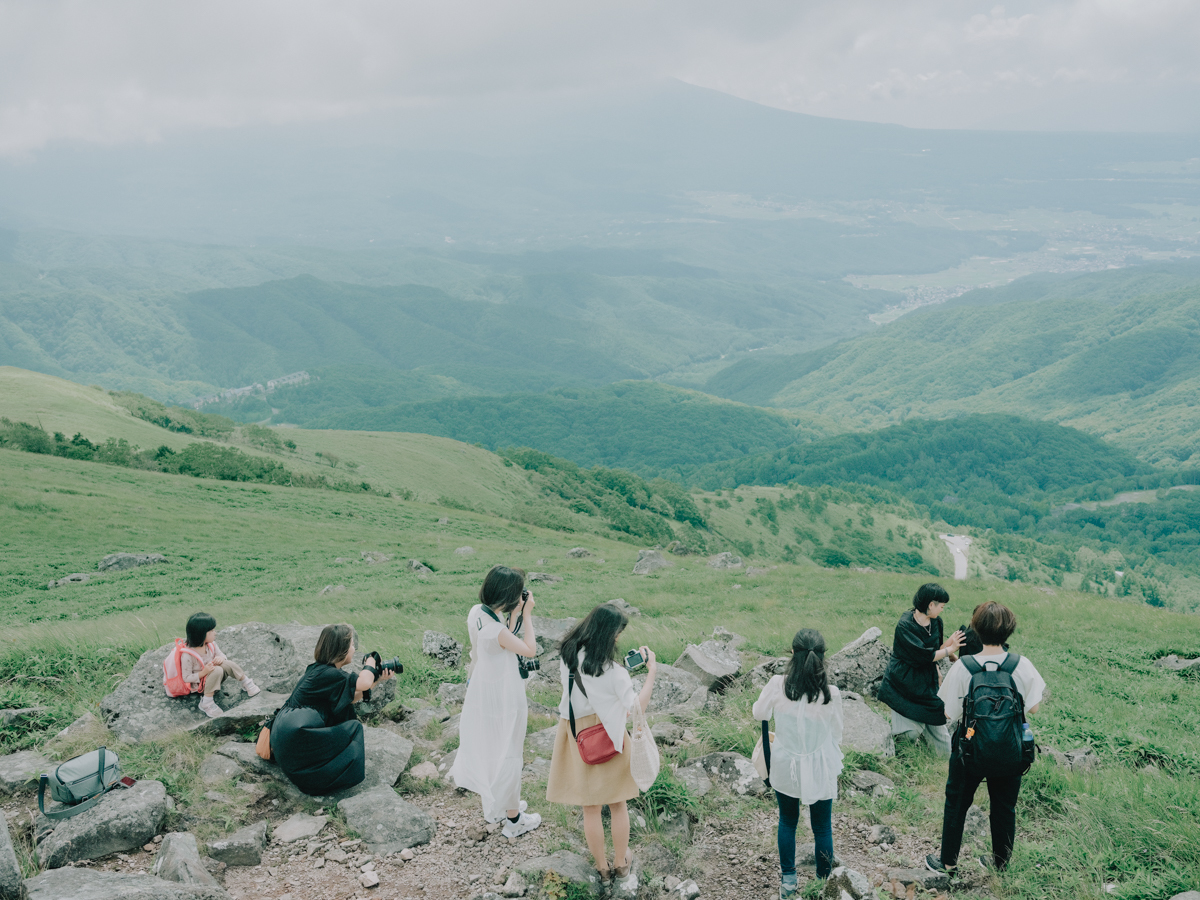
(805, 755)
(495, 711)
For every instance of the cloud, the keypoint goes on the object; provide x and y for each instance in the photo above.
(134, 70)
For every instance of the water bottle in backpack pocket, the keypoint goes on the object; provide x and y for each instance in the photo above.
(993, 737)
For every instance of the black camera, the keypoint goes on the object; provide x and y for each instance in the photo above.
(525, 665)
(634, 659)
(392, 665)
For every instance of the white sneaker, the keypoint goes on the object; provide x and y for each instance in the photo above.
(209, 707)
(525, 822)
(250, 687)
(521, 807)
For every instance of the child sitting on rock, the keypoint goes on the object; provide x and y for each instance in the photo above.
(206, 666)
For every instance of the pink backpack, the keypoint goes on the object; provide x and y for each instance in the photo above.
(173, 671)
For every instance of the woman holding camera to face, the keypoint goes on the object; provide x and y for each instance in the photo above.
(597, 692)
(495, 712)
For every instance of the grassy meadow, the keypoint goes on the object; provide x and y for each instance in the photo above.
(250, 552)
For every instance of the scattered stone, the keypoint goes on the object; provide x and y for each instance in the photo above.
(299, 827)
(686, 890)
(343, 559)
(569, 866)
(424, 770)
(445, 765)
(244, 847)
(1175, 664)
(852, 882)
(872, 783)
(694, 779)
(670, 883)
(714, 663)
(541, 742)
(122, 820)
(372, 557)
(734, 770)
(419, 719)
(86, 722)
(881, 834)
(407, 855)
(865, 730)
(725, 560)
(84, 884)
(215, 869)
(672, 687)
(386, 822)
(650, 561)
(1083, 759)
(337, 855)
(331, 589)
(75, 578)
(625, 607)
(578, 553)
(419, 567)
(627, 888)
(118, 562)
(179, 860)
(465, 551)
(679, 548)
(217, 768)
(667, 732)
(452, 692)
(255, 792)
(544, 577)
(19, 771)
(12, 886)
(443, 521)
(928, 880)
(11, 717)
(516, 885)
(977, 824)
(368, 879)
(860, 665)
(441, 647)
(536, 769)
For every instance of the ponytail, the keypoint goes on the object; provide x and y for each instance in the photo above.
(805, 676)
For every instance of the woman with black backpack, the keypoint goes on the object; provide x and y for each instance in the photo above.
(987, 696)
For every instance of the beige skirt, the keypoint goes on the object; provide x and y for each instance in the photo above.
(574, 783)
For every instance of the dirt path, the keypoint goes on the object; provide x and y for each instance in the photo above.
(958, 544)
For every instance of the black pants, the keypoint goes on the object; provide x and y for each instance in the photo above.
(960, 794)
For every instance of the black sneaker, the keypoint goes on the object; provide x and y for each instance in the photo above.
(934, 864)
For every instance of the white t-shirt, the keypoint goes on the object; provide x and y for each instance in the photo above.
(805, 756)
(958, 680)
(611, 697)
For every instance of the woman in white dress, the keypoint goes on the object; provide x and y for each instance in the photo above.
(495, 711)
(805, 757)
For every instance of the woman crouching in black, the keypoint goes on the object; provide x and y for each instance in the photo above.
(316, 737)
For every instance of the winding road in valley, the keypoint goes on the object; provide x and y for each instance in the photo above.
(958, 544)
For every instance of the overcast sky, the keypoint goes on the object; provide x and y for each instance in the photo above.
(131, 71)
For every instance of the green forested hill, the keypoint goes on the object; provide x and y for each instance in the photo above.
(1114, 354)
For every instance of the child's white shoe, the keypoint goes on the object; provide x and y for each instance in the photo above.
(209, 707)
(249, 686)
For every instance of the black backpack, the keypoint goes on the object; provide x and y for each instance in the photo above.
(991, 736)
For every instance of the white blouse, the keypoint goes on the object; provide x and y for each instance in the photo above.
(611, 697)
(805, 757)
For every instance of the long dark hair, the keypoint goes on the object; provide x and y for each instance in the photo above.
(805, 676)
(198, 627)
(597, 635)
(501, 589)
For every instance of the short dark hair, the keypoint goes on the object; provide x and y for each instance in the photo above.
(806, 675)
(597, 635)
(198, 627)
(501, 588)
(993, 622)
(929, 593)
(334, 643)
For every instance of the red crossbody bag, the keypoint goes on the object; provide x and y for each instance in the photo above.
(595, 746)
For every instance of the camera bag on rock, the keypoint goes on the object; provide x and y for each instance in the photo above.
(79, 783)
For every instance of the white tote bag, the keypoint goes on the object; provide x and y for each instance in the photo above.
(644, 761)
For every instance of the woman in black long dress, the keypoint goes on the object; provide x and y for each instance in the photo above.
(316, 737)
(910, 684)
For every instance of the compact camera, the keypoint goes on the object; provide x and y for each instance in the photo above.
(634, 659)
(525, 665)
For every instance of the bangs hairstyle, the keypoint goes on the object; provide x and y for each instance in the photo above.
(501, 588)
(929, 593)
(805, 676)
(597, 636)
(993, 623)
(198, 627)
(334, 643)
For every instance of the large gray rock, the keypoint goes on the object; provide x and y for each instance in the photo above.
(178, 860)
(734, 771)
(74, 578)
(930, 881)
(243, 716)
(275, 656)
(850, 881)
(451, 692)
(11, 717)
(242, 848)
(672, 688)
(298, 827)
(650, 561)
(1175, 664)
(117, 562)
(569, 866)
(541, 743)
(387, 823)
(694, 779)
(12, 885)
(768, 669)
(578, 553)
(865, 730)
(123, 820)
(441, 647)
(860, 665)
(725, 560)
(1187, 895)
(714, 663)
(84, 884)
(550, 633)
(19, 771)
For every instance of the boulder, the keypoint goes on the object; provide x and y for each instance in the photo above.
(86, 722)
(624, 606)
(768, 669)
(930, 881)
(243, 716)
(19, 771)
(714, 663)
(860, 665)
(541, 743)
(122, 820)
(627, 888)
(685, 890)
(423, 770)
(871, 783)
(331, 589)
(242, 848)
(694, 779)
(881, 834)
(12, 885)
(179, 860)
(75, 578)
(217, 768)
(730, 638)
(419, 567)
(444, 520)
(544, 577)
(84, 884)
(1175, 664)
(1187, 895)
(978, 825)
(550, 633)
(515, 886)
(650, 561)
(387, 823)
(275, 656)
(445, 764)
(672, 688)
(11, 717)
(578, 553)
(441, 647)
(852, 882)
(667, 733)
(865, 730)
(571, 867)
(372, 557)
(465, 551)
(725, 560)
(452, 691)
(299, 827)
(118, 562)
(735, 771)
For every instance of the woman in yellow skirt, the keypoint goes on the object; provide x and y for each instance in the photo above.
(598, 692)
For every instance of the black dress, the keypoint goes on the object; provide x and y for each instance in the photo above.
(910, 684)
(316, 737)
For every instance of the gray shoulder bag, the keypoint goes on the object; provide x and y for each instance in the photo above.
(79, 783)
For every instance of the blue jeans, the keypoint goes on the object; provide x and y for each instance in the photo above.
(820, 816)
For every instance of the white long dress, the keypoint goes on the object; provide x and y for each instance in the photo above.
(494, 717)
